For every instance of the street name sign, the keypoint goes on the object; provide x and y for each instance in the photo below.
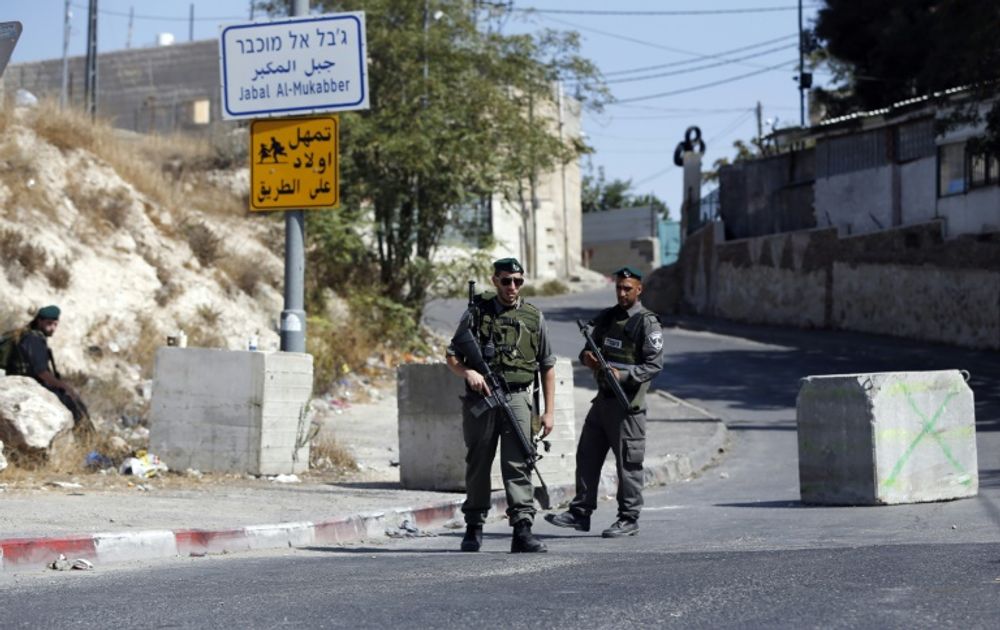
(295, 66)
(294, 163)
(9, 34)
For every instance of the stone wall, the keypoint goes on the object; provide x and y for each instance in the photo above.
(907, 282)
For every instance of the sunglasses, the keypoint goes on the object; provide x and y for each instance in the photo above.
(506, 281)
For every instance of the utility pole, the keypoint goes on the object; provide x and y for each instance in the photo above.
(131, 17)
(760, 128)
(293, 317)
(802, 79)
(64, 93)
(191, 23)
(565, 202)
(90, 89)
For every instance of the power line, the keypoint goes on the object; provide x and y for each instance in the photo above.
(164, 18)
(699, 68)
(687, 61)
(663, 13)
(702, 86)
(680, 114)
(642, 42)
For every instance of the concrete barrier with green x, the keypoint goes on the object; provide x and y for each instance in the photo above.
(886, 438)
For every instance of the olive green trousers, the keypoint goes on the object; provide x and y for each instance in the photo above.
(482, 433)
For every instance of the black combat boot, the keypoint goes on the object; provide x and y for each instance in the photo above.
(570, 519)
(473, 538)
(621, 527)
(523, 541)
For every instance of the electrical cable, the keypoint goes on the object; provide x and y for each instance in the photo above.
(687, 61)
(164, 18)
(696, 55)
(702, 86)
(673, 13)
(699, 68)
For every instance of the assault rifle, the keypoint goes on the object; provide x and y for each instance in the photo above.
(609, 377)
(467, 346)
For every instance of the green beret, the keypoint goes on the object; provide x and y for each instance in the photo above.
(48, 312)
(629, 272)
(510, 265)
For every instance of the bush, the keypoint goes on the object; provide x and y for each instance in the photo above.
(204, 243)
(58, 275)
(14, 249)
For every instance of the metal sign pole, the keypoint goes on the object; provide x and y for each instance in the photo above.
(293, 317)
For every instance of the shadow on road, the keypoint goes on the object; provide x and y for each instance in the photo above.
(765, 375)
(767, 504)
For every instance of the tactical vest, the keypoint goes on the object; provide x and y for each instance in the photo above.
(622, 343)
(17, 363)
(515, 334)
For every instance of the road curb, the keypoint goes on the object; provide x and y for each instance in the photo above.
(20, 554)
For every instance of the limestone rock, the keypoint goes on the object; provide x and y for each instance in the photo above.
(3, 460)
(31, 417)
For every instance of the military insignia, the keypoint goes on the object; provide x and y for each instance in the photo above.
(656, 340)
(613, 343)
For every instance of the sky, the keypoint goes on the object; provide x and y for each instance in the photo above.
(670, 64)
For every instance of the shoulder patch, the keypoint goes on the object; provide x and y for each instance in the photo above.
(655, 339)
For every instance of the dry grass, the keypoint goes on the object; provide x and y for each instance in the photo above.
(163, 168)
(246, 273)
(143, 351)
(334, 348)
(205, 244)
(19, 175)
(15, 250)
(110, 208)
(203, 332)
(325, 453)
(168, 288)
(58, 275)
(67, 456)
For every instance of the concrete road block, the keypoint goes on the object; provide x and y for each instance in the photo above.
(231, 411)
(431, 446)
(886, 438)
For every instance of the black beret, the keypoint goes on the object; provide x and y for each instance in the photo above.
(510, 265)
(48, 312)
(629, 272)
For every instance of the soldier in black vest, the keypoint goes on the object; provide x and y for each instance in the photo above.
(631, 341)
(31, 356)
(515, 344)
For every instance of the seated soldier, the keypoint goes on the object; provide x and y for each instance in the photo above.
(31, 356)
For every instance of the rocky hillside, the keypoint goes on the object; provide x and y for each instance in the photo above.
(135, 238)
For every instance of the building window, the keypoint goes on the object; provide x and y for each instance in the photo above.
(201, 112)
(951, 169)
(915, 140)
(850, 153)
(982, 170)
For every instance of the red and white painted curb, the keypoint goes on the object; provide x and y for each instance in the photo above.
(108, 548)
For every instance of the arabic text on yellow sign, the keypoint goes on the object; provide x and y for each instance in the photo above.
(294, 163)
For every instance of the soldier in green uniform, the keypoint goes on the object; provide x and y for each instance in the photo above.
(513, 337)
(631, 341)
(30, 355)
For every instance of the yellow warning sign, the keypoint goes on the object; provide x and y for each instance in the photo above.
(294, 163)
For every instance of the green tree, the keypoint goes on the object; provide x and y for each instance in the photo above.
(598, 194)
(884, 51)
(458, 110)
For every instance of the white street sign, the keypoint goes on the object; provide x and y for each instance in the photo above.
(295, 66)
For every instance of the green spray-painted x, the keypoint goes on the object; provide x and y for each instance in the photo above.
(928, 429)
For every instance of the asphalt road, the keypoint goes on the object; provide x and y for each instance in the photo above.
(732, 548)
